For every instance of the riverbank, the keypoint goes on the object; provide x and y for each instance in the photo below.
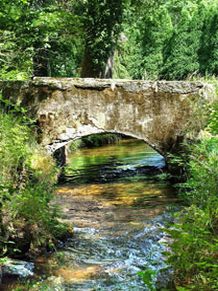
(29, 223)
(195, 235)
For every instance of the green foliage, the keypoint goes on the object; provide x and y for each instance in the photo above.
(194, 256)
(148, 276)
(169, 40)
(146, 33)
(102, 26)
(204, 174)
(209, 41)
(13, 138)
(181, 52)
(16, 110)
(95, 140)
(27, 178)
(75, 145)
(39, 37)
(195, 235)
(213, 122)
(132, 39)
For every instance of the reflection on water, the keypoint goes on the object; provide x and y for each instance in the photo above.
(117, 210)
(104, 164)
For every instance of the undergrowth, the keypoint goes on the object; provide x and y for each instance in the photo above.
(194, 251)
(28, 219)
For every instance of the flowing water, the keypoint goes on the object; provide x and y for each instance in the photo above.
(117, 207)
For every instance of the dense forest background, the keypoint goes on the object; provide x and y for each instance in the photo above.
(140, 39)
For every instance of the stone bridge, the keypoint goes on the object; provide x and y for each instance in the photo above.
(161, 113)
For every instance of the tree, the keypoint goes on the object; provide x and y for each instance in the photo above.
(146, 26)
(208, 53)
(43, 38)
(102, 25)
(137, 39)
(181, 51)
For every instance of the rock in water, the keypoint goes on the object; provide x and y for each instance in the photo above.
(18, 268)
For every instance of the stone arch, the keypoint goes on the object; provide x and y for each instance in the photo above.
(159, 112)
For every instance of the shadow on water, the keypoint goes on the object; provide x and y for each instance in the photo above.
(109, 163)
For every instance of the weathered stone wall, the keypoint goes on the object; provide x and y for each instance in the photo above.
(161, 113)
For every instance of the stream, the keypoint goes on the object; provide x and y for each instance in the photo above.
(118, 202)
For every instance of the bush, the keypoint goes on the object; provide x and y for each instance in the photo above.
(27, 179)
(195, 246)
(95, 140)
(194, 256)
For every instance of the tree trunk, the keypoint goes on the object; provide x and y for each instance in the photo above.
(90, 69)
(41, 62)
(102, 26)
